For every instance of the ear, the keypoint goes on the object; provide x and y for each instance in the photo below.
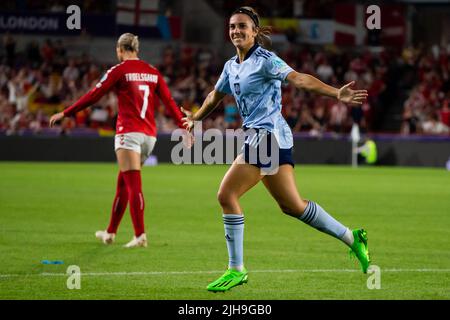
(255, 30)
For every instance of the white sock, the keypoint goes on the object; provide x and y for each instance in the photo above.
(347, 238)
(234, 235)
(238, 268)
(318, 218)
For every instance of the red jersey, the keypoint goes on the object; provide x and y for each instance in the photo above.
(135, 83)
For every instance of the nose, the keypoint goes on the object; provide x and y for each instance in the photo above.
(235, 32)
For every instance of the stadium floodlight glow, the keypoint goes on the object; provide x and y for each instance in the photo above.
(355, 137)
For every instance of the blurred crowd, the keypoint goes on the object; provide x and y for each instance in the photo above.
(427, 110)
(42, 81)
(45, 79)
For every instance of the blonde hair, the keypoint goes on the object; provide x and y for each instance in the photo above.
(263, 36)
(128, 42)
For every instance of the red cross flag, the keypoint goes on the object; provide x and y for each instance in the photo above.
(351, 29)
(137, 12)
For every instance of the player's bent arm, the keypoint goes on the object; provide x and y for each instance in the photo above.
(210, 103)
(310, 83)
(164, 94)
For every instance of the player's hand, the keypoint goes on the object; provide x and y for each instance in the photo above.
(347, 95)
(188, 121)
(188, 139)
(55, 118)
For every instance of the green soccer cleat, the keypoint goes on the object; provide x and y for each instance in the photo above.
(360, 249)
(228, 280)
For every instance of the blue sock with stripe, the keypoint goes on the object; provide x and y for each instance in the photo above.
(234, 234)
(318, 218)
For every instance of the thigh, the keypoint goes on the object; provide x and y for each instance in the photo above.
(283, 189)
(128, 148)
(128, 160)
(147, 147)
(240, 178)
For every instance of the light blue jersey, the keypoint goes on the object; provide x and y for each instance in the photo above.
(256, 86)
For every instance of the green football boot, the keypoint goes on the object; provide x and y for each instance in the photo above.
(228, 280)
(360, 248)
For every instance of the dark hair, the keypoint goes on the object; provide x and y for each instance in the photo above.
(263, 36)
(248, 11)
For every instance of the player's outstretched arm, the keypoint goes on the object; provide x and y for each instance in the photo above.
(106, 83)
(55, 118)
(210, 103)
(310, 83)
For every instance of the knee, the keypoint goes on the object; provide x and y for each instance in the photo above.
(225, 198)
(294, 210)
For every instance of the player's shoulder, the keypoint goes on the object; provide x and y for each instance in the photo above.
(227, 64)
(116, 67)
(262, 53)
(151, 68)
(231, 60)
(149, 65)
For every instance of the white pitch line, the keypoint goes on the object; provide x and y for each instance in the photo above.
(156, 273)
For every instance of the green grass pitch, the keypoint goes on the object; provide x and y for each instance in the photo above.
(50, 211)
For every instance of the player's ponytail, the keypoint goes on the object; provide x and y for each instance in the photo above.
(135, 44)
(263, 36)
(128, 42)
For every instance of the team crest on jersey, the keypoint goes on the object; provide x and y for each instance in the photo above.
(237, 88)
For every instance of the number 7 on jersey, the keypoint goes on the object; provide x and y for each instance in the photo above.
(146, 90)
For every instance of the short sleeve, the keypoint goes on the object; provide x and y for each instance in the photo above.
(223, 84)
(276, 68)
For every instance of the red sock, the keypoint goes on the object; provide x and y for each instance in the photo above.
(136, 199)
(119, 204)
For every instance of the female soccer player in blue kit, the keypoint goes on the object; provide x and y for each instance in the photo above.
(254, 78)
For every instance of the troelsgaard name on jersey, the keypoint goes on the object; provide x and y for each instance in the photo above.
(141, 77)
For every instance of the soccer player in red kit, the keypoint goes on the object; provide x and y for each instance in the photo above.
(136, 83)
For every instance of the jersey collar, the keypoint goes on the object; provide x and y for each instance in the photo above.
(249, 53)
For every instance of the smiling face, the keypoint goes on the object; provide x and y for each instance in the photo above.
(242, 31)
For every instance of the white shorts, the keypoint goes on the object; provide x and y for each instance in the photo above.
(135, 141)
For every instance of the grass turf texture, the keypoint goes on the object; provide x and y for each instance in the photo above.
(51, 211)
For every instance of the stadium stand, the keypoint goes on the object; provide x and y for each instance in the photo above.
(409, 87)
(43, 79)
